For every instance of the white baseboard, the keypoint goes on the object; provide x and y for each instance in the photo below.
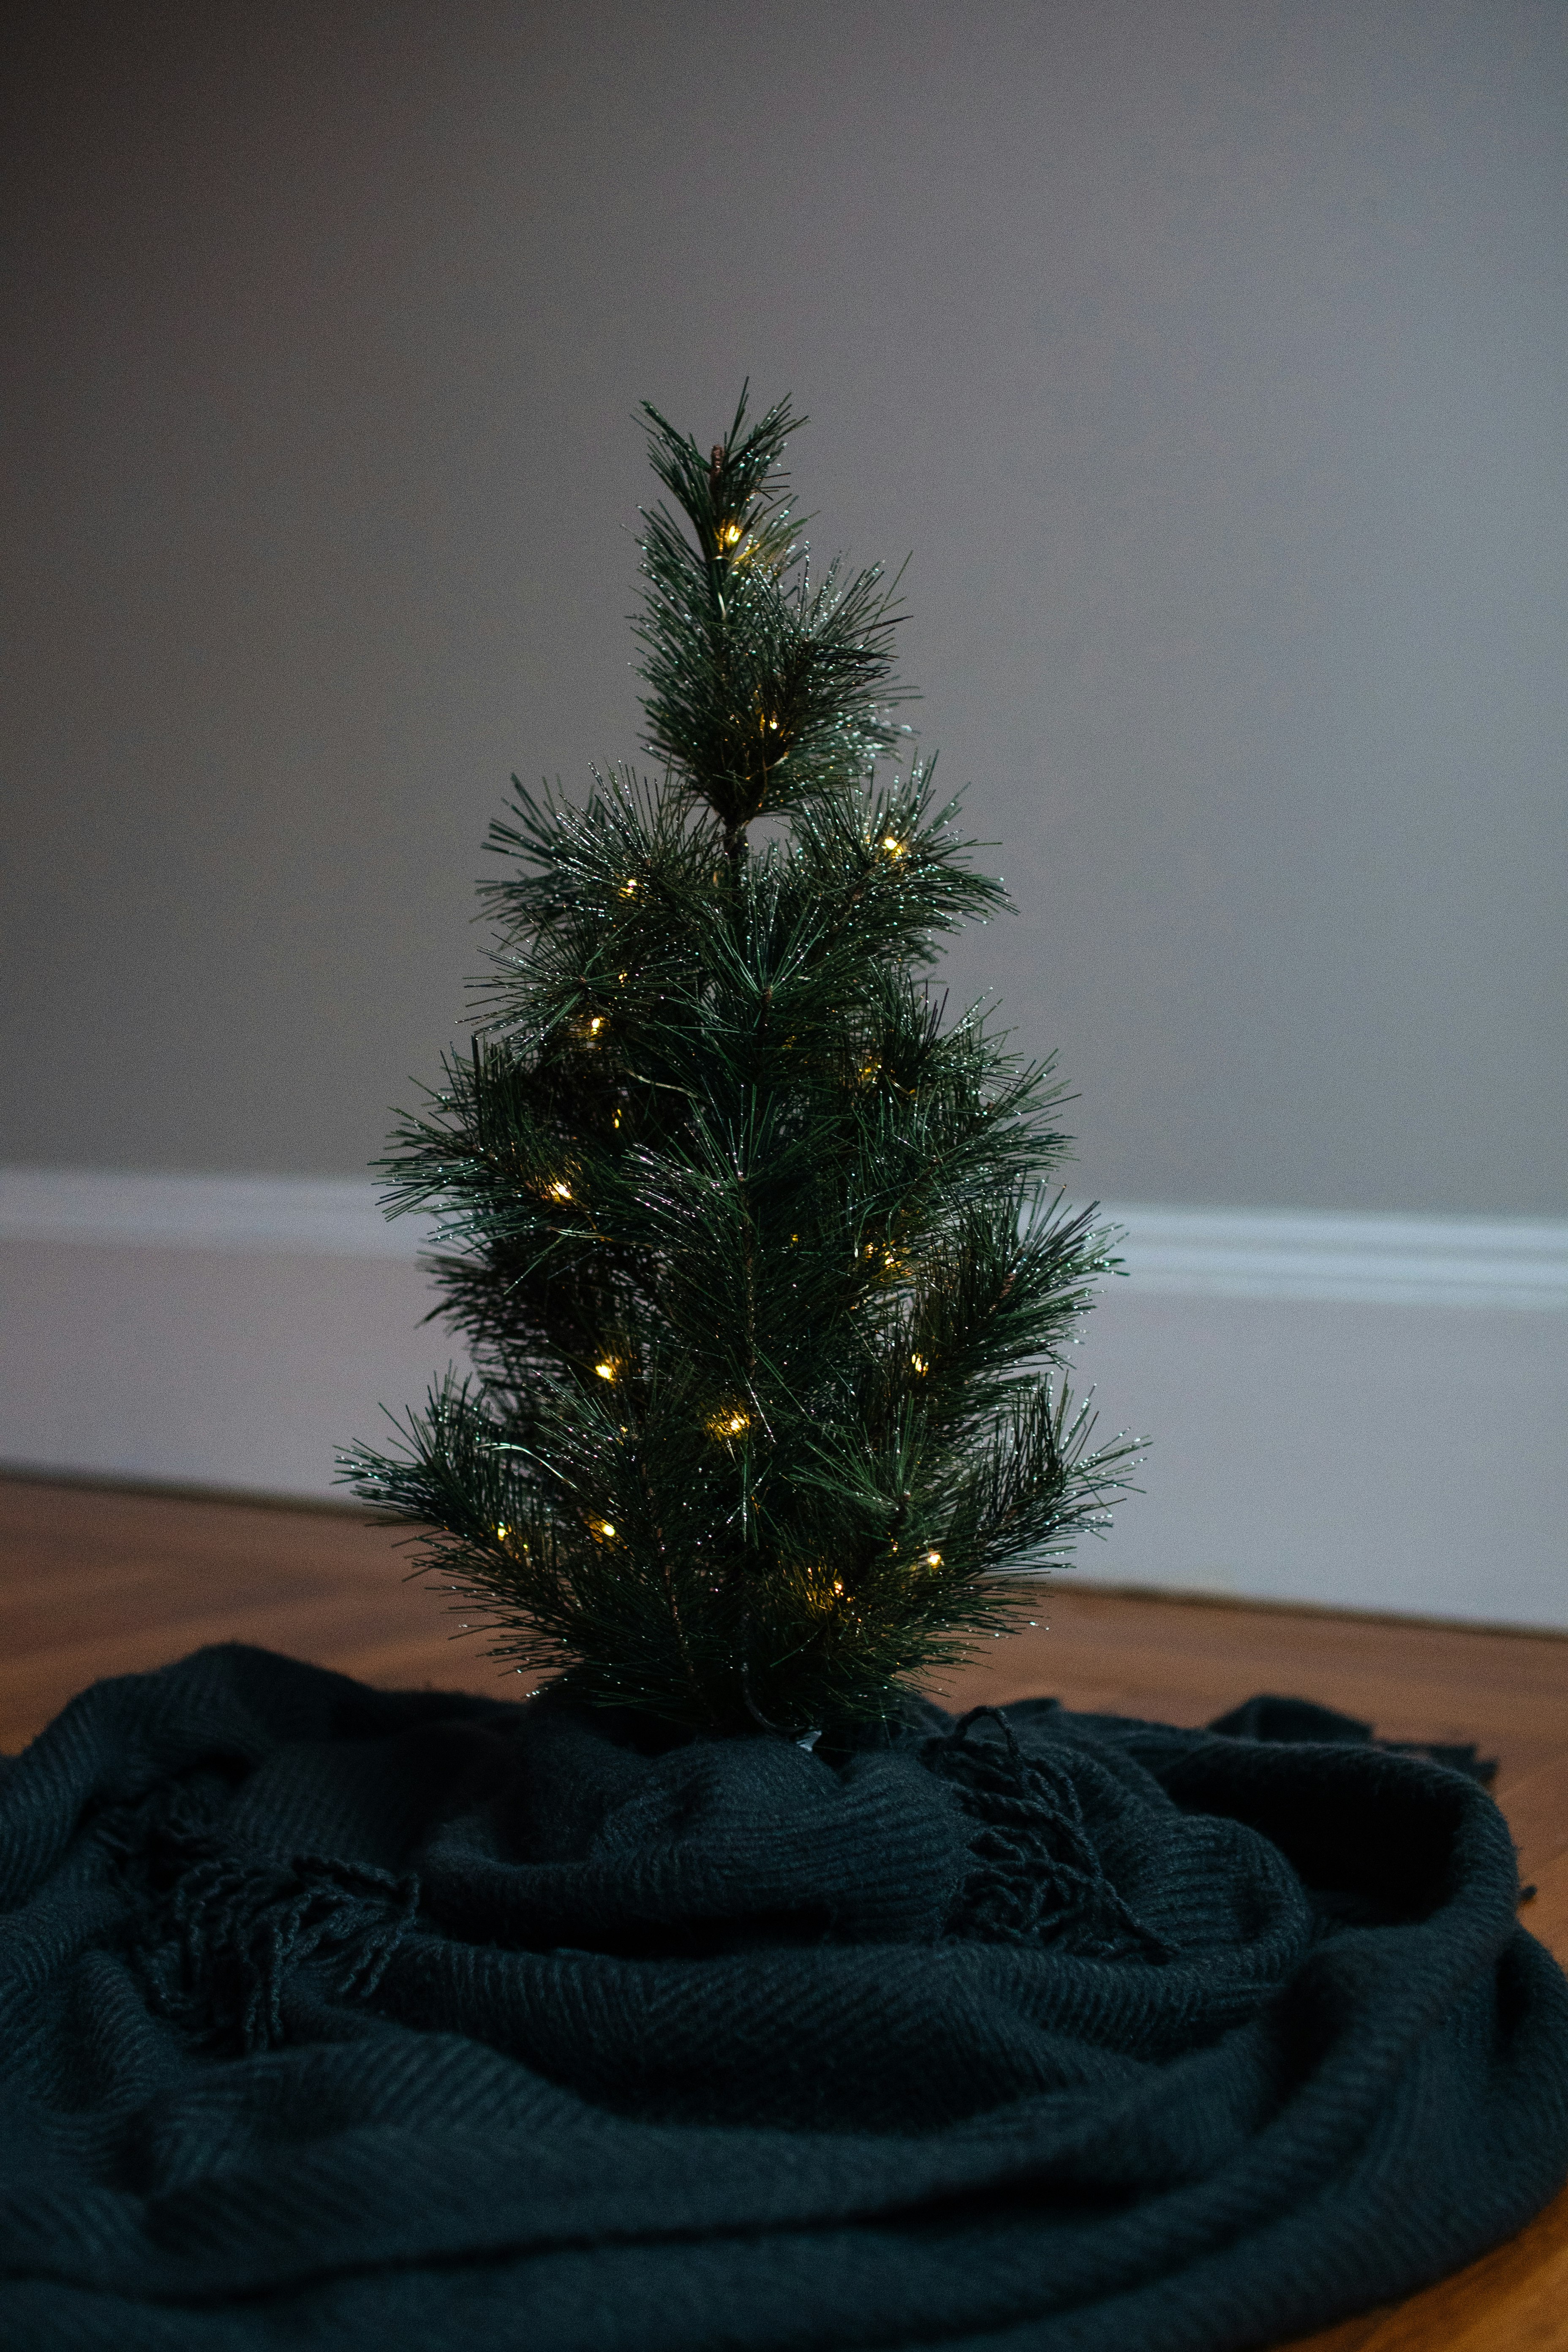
(1361, 1411)
(331, 1216)
(1374, 1261)
(1208, 1252)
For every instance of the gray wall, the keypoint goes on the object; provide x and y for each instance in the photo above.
(1209, 357)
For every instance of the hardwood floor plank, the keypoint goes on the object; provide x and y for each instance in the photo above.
(1536, 1804)
(1546, 1916)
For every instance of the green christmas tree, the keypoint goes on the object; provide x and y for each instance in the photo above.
(758, 1258)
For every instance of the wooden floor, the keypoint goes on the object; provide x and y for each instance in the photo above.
(95, 1582)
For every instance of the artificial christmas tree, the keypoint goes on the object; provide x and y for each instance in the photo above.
(759, 1261)
(638, 2014)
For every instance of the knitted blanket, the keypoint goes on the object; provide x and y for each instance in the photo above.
(335, 2018)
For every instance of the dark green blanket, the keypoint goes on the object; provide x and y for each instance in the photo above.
(335, 2018)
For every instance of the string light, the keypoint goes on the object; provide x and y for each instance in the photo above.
(605, 1529)
(617, 1120)
(933, 1560)
(920, 1364)
(894, 847)
(607, 1370)
(629, 887)
(731, 533)
(595, 1024)
(731, 1422)
(559, 1191)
